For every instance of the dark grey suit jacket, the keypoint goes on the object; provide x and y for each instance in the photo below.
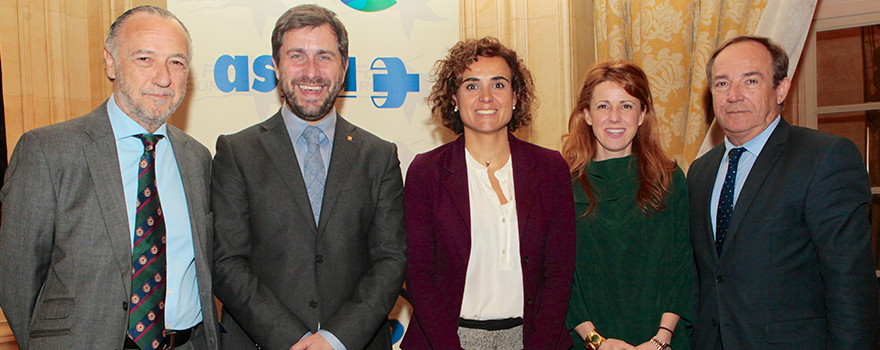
(277, 274)
(797, 271)
(65, 241)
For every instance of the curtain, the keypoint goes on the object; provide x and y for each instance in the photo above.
(671, 41)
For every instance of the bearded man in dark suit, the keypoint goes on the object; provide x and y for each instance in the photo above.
(310, 249)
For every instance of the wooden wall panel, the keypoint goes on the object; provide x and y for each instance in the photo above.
(7, 341)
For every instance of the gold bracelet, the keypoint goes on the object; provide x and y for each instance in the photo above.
(659, 343)
(594, 340)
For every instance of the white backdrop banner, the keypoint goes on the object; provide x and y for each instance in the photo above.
(392, 48)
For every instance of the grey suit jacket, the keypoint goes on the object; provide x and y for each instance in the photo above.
(65, 246)
(276, 272)
(797, 270)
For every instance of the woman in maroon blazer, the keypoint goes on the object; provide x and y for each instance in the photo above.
(490, 218)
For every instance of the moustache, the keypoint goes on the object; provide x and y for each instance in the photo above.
(306, 81)
(159, 91)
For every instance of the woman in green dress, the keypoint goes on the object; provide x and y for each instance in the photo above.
(633, 271)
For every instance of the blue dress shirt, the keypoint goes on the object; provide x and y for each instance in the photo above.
(182, 307)
(743, 168)
(295, 127)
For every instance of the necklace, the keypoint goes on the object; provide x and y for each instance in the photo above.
(490, 157)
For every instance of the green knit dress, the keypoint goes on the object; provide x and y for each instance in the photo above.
(630, 267)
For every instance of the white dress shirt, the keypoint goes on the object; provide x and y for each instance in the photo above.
(493, 287)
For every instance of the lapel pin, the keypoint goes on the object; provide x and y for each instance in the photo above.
(349, 137)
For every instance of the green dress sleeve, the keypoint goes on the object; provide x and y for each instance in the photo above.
(577, 308)
(678, 280)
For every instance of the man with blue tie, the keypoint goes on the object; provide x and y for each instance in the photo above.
(310, 247)
(779, 220)
(105, 236)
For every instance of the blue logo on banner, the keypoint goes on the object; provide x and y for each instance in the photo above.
(350, 83)
(369, 5)
(393, 80)
(264, 69)
(397, 82)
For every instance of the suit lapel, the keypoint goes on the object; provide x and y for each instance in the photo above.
(713, 159)
(103, 163)
(276, 142)
(455, 181)
(193, 181)
(769, 155)
(342, 159)
(524, 183)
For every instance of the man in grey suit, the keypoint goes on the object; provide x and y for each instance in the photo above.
(307, 258)
(79, 229)
(778, 220)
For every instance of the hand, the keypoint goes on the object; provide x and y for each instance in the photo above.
(648, 345)
(312, 342)
(617, 344)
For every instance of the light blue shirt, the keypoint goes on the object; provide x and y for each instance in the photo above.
(182, 307)
(743, 168)
(295, 128)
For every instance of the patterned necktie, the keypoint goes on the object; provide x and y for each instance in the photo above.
(725, 200)
(147, 312)
(313, 169)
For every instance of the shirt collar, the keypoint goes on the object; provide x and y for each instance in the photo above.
(755, 145)
(123, 126)
(296, 126)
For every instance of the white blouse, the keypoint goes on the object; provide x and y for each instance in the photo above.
(493, 287)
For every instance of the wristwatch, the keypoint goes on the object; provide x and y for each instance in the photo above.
(594, 340)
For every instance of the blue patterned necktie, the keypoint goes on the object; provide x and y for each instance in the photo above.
(313, 169)
(148, 268)
(725, 200)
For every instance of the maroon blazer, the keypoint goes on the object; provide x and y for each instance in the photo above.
(438, 239)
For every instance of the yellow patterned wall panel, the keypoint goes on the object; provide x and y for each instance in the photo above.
(671, 41)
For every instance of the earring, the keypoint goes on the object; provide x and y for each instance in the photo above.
(455, 109)
(514, 108)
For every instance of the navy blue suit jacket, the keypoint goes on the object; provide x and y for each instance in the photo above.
(797, 271)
